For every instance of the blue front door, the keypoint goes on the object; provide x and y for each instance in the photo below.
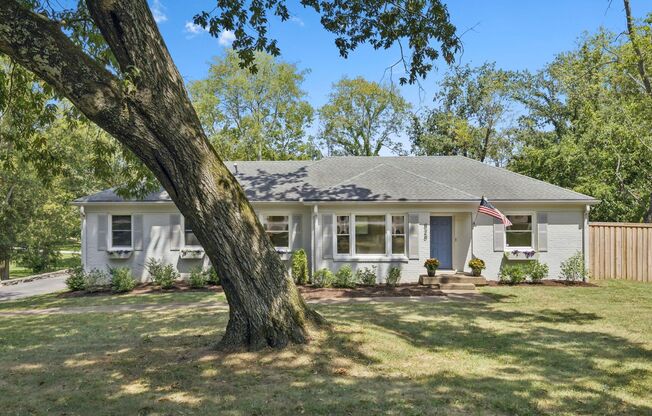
(441, 241)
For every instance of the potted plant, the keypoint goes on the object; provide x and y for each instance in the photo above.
(431, 266)
(477, 266)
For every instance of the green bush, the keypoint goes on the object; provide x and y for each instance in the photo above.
(97, 280)
(393, 276)
(76, 281)
(39, 259)
(163, 275)
(537, 271)
(366, 276)
(573, 269)
(300, 272)
(122, 280)
(512, 274)
(211, 277)
(344, 277)
(198, 278)
(323, 278)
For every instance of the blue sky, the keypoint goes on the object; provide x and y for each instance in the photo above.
(514, 34)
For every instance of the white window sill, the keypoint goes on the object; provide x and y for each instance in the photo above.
(372, 259)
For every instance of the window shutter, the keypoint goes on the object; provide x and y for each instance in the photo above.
(297, 231)
(542, 231)
(327, 236)
(175, 231)
(137, 227)
(413, 238)
(102, 231)
(499, 235)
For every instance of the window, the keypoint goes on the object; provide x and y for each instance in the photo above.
(189, 238)
(370, 234)
(343, 234)
(121, 230)
(398, 234)
(519, 234)
(278, 230)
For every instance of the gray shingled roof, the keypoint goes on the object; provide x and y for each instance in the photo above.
(426, 178)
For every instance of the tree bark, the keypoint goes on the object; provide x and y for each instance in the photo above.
(4, 269)
(149, 112)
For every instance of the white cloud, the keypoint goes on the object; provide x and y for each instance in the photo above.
(193, 30)
(297, 20)
(226, 38)
(158, 11)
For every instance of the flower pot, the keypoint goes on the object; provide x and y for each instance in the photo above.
(431, 272)
(476, 272)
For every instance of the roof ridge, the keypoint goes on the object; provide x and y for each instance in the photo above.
(525, 176)
(435, 182)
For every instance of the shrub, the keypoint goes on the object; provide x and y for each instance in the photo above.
(538, 271)
(122, 280)
(211, 277)
(163, 275)
(323, 278)
(573, 269)
(431, 264)
(300, 267)
(345, 277)
(76, 281)
(393, 276)
(198, 278)
(39, 259)
(366, 276)
(97, 280)
(512, 274)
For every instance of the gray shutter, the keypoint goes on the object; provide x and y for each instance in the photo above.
(175, 231)
(297, 232)
(542, 231)
(137, 226)
(102, 230)
(499, 235)
(413, 236)
(327, 236)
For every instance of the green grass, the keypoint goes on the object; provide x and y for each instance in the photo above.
(67, 261)
(531, 350)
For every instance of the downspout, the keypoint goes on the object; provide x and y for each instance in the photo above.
(313, 241)
(585, 237)
(82, 246)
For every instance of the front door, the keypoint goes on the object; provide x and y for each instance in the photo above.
(441, 241)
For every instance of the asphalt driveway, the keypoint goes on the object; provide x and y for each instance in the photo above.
(36, 287)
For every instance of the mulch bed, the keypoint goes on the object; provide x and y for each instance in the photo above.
(554, 283)
(310, 292)
(144, 288)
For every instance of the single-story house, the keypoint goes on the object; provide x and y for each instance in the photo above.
(360, 211)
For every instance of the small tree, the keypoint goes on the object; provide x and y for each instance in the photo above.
(300, 267)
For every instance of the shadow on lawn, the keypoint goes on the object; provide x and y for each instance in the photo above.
(164, 363)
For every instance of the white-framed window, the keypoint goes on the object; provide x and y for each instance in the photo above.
(277, 228)
(189, 237)
(398, 234)
(521, 233)
(369, 235)
(343, 234)
(121, 231)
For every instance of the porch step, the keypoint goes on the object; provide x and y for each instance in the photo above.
(456, 286)
(456, 278)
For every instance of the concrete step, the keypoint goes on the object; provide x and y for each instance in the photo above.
(457, 286)
(452, 278)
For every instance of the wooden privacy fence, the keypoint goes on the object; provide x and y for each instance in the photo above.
(620, 251)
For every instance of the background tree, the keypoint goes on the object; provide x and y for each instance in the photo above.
(362, 117)
(254, 115)
(471, 118)
(133, 90)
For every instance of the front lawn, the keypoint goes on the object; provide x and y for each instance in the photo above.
(531, 350)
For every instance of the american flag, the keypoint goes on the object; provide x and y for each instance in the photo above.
(488, 209)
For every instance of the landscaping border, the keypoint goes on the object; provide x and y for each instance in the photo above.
(48, 275)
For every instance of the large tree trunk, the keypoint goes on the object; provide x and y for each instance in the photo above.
(4, 268)
(152, 115)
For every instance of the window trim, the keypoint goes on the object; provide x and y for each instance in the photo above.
(532, 231)
(183, 236)
(263, 220)
(353, 255)
(131, 226)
